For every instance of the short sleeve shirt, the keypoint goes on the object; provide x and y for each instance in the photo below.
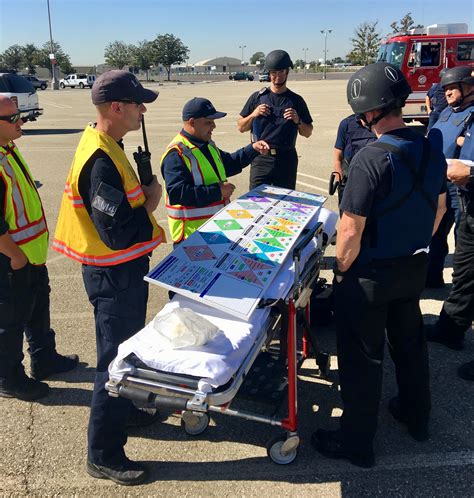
(277, 131)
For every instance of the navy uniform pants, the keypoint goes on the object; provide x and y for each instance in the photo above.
(458, 310)
(439, 247)
(24, 308)
(119, 296)
(374, 302)
(278, 170)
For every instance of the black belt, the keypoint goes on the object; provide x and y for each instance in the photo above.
(275, 152)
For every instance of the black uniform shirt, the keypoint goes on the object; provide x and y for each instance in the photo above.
(280, 133)
(370, 177)
(118, 225)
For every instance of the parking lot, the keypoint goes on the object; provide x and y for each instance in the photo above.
(43, 444)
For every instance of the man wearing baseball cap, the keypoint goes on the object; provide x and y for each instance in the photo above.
(195, 170)
(106, 223)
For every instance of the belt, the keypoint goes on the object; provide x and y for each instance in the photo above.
(275, 152)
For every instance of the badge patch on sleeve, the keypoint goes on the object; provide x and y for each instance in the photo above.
(107, 199)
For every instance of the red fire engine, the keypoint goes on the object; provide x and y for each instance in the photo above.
(422, 53)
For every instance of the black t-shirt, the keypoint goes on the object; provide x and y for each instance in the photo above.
(278, 132)
(370, 176)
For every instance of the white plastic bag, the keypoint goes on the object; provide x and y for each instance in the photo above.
(183, 328)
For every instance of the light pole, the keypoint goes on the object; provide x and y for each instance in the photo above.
(325, 32)
(54, 81)
(304, 52)
(242, 48)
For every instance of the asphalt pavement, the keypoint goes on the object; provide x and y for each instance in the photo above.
(43, 444)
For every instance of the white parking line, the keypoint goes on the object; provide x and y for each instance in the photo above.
(325, 190)
(60, 106)
(314, 177)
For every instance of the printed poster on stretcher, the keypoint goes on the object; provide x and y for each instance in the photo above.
(233, 258)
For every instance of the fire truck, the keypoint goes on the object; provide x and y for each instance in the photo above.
(421, 54)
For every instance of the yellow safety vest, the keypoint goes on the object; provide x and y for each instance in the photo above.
(185, 220)
(76, 235)
(23, 209)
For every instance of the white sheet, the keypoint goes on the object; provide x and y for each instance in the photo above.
(217, 361)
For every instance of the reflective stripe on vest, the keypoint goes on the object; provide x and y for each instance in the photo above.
(190, 213)
(77, 201)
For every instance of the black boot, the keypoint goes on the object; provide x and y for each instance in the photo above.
(53, 364)
(419, 432)
(127, 473)
(23, 387)
(452, 340)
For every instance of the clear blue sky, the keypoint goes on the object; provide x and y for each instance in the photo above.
(212, 28)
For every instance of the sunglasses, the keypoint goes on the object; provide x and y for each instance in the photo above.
(12, 119)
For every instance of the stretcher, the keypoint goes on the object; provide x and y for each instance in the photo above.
(198, 381)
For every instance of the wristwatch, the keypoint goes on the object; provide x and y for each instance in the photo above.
(338, 272)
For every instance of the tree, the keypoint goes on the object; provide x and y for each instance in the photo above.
(258, 56)
(299, 64)
(406, 23)
(29, 54)
(63, 59)
(118, 54)
(170, 50)
(365, 43)
(12, 58)
(143, 56)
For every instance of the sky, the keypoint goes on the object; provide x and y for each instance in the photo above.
(214, 28)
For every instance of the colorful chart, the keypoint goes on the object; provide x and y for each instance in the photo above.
(233, 258)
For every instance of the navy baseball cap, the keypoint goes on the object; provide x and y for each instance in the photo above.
(117, 85)
(199, 107)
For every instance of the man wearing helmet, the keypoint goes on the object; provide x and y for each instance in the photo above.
(448, 134)
(455, 130)
(393, 202)
(276, 115)
(435, 101)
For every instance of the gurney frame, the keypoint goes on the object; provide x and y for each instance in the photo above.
(184, 393)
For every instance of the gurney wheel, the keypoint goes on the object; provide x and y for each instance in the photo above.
(283, 450)
(194, 424)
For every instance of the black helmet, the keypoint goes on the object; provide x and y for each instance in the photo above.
(459, 74)
(277, 60)
(377, 86)
(443, 72)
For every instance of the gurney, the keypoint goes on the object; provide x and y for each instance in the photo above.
(198, 381)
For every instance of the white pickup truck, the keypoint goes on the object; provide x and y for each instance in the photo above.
(23, 93)
(80, 80)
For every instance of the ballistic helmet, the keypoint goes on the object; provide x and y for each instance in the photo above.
(377, 86)
(459, 74)
(277, 60)
(443, 72)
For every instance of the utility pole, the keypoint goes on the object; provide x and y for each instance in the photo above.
(54, 81)
(304, 52)
(325, 33)
(242, 48)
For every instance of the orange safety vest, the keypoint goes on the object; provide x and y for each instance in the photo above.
(76, 235)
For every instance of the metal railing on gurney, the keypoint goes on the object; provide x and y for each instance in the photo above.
(207, 379)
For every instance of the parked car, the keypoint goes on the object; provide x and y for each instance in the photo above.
(23, 93)
(264, 77)
(43, 84)
(241, 76)
(80, 80)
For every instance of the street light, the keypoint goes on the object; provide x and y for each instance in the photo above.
(304, 52)
(54, 81)
(325, 32)
(242, 48)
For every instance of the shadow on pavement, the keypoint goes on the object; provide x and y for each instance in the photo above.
(51, 131)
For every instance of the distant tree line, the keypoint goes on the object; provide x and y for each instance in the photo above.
(169, 50)
(25, 58)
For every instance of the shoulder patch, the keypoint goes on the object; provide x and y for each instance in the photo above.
(107, 199)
